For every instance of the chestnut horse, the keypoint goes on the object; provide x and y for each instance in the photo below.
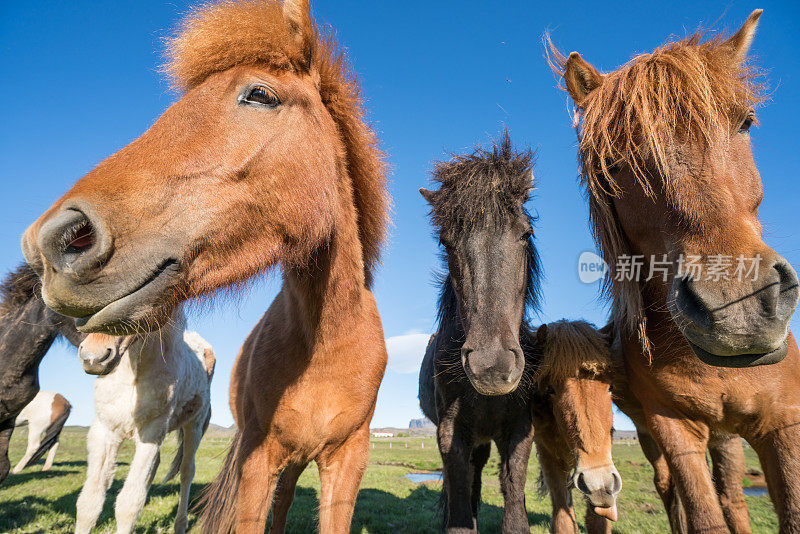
(664, 146)
(265, 159)
(725, 450)
(572, 417)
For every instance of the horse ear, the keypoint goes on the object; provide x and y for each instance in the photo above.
(298, 14)
(740, 42)
(541, 334)
(427, 195)
(581, 78)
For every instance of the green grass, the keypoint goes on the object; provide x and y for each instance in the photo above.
(387, 503)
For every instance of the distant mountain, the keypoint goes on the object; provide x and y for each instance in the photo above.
(421, 423)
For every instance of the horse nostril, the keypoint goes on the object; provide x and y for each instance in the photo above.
(72, 242)
(581, 485)
(691, 304)
(617, 483)
(788, 293)
(82, 238)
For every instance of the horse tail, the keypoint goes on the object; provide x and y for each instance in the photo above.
(175, 466)
(441, 507)
(217, 503)
(53, 430)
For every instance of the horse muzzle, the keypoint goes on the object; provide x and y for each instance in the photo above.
(108, 289)
(731, 323)
(103, 358)
(601, 485)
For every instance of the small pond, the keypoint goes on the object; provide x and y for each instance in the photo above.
(417, 478)
(756, 491)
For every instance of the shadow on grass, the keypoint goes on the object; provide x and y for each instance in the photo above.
(19, 513)
(26, 511)
(34, 473)
(380, 512)
(376, 511)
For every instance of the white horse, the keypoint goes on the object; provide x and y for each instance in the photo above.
(149, 385)
(45, 416)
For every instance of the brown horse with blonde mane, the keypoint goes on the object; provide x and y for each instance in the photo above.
(664, 146)
(572, 415)
(265, 159)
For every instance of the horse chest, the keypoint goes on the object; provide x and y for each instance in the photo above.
(126, 405)
(321, 407)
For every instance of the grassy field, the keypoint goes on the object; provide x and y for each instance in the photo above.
(388, 501)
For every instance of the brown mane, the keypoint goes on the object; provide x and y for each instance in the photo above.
(683, 92)
(216, 37)
(572, 347)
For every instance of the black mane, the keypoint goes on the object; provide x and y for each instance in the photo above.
(18, 287)
(484, 187)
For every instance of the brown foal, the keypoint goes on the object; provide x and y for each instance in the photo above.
(666, 159)
(265, 159)
(572, 417)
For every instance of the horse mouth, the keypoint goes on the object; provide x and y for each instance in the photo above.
(741, 360)
(137, 311)
(609, 512)
(104, 366)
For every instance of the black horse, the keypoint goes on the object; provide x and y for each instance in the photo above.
(475, 378)
(27, 330)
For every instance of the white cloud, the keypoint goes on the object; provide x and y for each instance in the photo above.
(406, 351)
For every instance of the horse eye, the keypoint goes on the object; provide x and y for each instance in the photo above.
(550, 390)
(262, 95)
(746, 124)
(527, 235)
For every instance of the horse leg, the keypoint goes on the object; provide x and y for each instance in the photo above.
(192, 434)
(456, 451)
(684, 445)
(102, 445)
(727, 457)
(480, 455)
(514, 454)
(262, 462)
(34, 440)
(6, 429)
(664, 484)
(555, 478)
(340, 473)
(51, 454)
(778, 452)
(133, 495)
(284, 495)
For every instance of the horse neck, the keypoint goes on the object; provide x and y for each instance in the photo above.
(154, 351)
(325, 296)
(26, 335)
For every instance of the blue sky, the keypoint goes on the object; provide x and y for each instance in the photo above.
(80, 81)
